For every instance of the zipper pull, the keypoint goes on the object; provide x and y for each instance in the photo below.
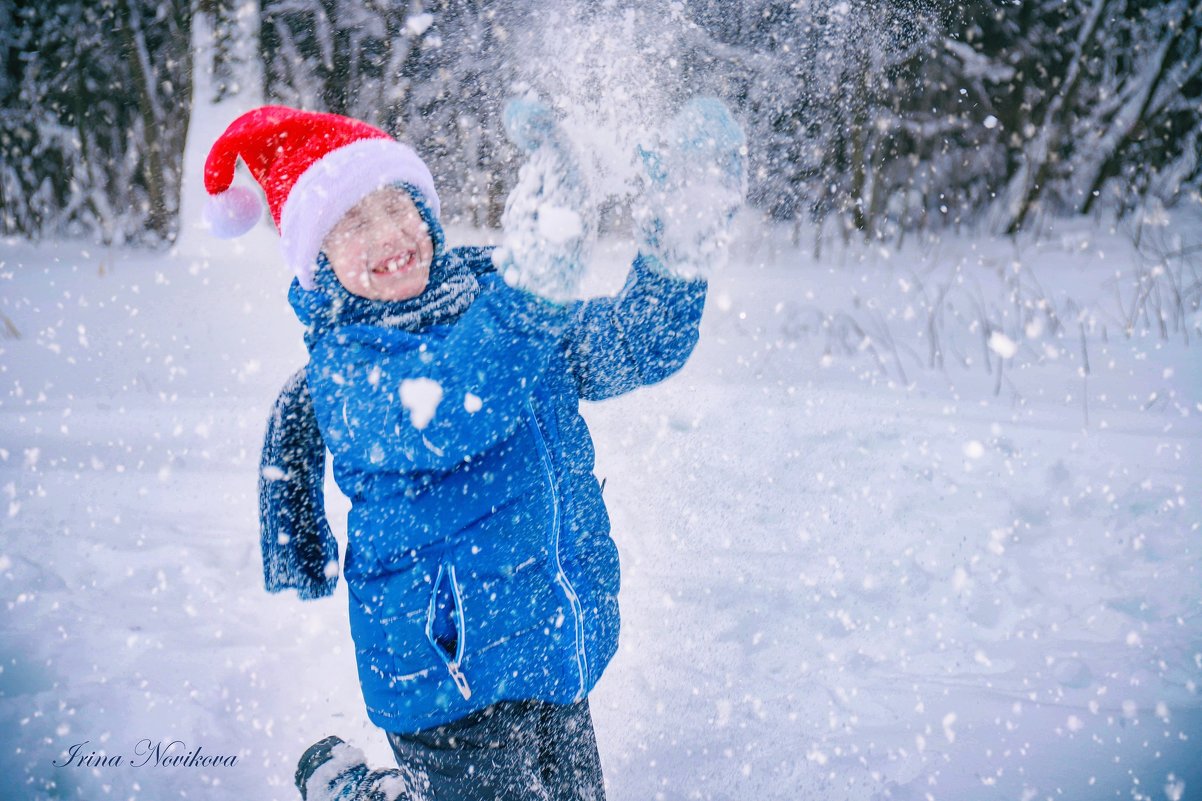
(460, 680)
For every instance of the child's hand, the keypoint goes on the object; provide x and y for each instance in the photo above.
(548, 215)
(530, 124)
(695, 182)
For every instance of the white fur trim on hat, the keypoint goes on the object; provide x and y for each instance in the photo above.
(232, 213)
(331, 187)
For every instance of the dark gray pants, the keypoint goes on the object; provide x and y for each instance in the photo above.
(510, 751)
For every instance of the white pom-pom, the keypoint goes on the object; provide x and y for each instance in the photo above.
(233, 212)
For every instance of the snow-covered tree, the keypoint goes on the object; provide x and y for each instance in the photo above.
(882, 117)
(1097, 90)
(432, 73)
(823, 86)
(91, 118)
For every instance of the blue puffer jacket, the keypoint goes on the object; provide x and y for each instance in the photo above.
(479, 562)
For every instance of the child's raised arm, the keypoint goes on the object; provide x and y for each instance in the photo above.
(639, 336)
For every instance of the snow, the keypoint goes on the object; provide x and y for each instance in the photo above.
(418, 24)
(420, 397)
(845, 573)
(1003, 345)
(697, 184)
(557, 224)
(328, 779)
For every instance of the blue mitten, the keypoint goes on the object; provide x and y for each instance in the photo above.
(548, 216)
(695, 183)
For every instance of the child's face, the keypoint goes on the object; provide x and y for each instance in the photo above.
(381, 248)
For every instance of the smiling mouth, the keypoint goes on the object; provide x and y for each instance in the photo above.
(395, 264)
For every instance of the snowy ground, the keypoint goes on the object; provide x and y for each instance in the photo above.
(845, 574)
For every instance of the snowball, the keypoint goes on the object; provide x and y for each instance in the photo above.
(557, 224)
(1002, 345)
(512, 276)
(418, 24)
(997, 537)
(991, 122)
(420, 396)
(273, 473)
(472, 403)
(948, 720)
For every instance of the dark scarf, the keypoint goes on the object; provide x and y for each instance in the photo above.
(299, 551)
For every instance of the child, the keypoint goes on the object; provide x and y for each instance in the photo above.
(481, 575)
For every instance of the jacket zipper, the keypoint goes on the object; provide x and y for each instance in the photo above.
(560, 576)
(452, 663)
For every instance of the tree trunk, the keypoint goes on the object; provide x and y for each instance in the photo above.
(159, 216)
(1027, 184)
(1124, 131)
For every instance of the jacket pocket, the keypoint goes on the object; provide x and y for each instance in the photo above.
(444, 625)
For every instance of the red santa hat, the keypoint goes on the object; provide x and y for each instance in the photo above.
(313, 169)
